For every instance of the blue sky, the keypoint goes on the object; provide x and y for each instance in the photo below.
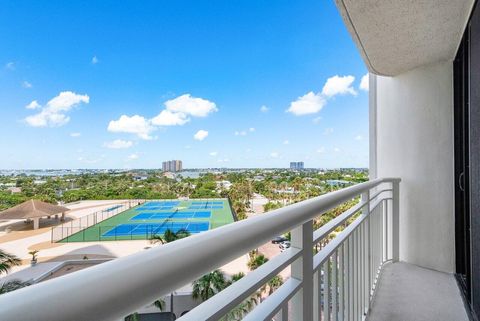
(129, 84)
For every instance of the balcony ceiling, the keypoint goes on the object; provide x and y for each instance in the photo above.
(395, 36)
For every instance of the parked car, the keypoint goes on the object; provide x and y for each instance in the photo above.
(284, 245)
(279, 239)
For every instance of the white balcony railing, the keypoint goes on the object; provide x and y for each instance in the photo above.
(336, 283)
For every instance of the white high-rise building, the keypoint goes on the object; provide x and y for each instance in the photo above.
(172, 166)
(296, 165)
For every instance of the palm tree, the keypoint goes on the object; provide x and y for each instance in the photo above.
(7, 261)
(169, 236)
(241, 310)
(274, 284)
(256, 261)
(237, 276)
(159, 304)
(13, 285)
(132, 317)
(209, 285)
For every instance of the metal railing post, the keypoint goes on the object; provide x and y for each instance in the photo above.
(368, 261)
(302, 269)
(395, 220)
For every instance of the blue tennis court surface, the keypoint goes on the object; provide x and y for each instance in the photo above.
(207, 207)
(207, 202)
(158, 206)
(172, 215)
(160, 228)
(154, 208)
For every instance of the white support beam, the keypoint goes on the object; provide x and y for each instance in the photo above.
(36, 223)
(302, 269)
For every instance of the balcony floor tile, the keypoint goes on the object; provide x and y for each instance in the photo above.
(407, 292)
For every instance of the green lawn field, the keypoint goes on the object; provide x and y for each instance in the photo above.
(219, 217)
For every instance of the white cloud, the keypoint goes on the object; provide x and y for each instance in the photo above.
(132, 157)
(264, 109)
(54, 113)
(328, 131)
(200, 135)
(135, 124)
(188, 146)
(316, 120)
(244, 132)
(10, 65)
(66, 100)
(321, 150)
(118, 144)
(168, 118)
(33, 105)
(337, 85)
(26, 84)
(188, 105)
(240, 133)
(358, 137)
(310, 103)
(177, 113)
(224, 160)
(336, 149)
(95, 60)
(213, 153)
(75, 134)
(364, 82)
(286, 142)
(274, 155)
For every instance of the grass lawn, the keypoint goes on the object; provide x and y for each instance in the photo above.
(220, 214)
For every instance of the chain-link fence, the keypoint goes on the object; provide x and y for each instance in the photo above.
(104, 233)
(67, 229)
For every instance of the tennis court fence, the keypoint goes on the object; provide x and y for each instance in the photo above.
(67, 229)
(105, 233)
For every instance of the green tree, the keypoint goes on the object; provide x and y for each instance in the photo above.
(256, 261)
(7, 261)
(13, 285)
(132, 317)
(274, 284)
(270, 206)
(169, 236)
(209, 285)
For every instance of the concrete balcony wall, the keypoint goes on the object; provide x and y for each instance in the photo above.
(412, 138)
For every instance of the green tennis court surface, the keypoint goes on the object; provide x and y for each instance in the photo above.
(154, 217)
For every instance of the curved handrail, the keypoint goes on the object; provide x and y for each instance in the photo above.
(114, 289)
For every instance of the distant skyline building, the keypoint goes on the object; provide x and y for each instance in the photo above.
(172, 166)
(296, 165)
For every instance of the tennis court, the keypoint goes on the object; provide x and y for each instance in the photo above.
(171, 215)
(153, 218)
(207, 207)
(154, 229)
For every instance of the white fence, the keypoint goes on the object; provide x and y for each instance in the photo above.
(335, 283)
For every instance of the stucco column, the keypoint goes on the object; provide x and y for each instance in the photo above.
(63, 217)
(36, 223)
